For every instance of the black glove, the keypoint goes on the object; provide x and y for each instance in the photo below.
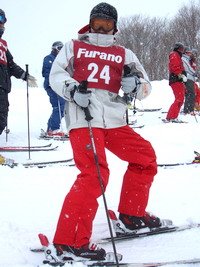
(182, 78)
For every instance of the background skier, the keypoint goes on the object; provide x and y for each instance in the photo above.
(190, 88)
(8, 68)
(57, 102)
(177, 79)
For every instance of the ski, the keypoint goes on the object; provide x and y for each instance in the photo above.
(113, 264)
(148, 109)
(45, 136)
(124, 234)
(137, 126)
(131, 123)
(24, 149)
(161, 230)
(174, 121)
(195, 161)
(5, 148)
(41, 164)
(52, 260)
(54, 138)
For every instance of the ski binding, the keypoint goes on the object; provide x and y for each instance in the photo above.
(68, 258)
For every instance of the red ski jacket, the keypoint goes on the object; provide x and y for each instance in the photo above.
(175, 67)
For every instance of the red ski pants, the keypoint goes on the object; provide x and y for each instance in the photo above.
(197, 94)
(179, 94)
(80, 205)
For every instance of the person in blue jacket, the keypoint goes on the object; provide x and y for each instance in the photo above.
(57, 102)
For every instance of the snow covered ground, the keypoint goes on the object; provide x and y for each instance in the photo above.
(31, 198)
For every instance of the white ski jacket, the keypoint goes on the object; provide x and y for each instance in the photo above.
(108, 109)
(191, 73)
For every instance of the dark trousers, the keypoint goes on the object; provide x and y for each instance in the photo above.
(4, 104)
(189, 97)
(58, 105)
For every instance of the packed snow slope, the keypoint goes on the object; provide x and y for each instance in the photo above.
(31, 198)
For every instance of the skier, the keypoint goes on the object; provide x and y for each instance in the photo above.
(95, 57)
(190, 88)
(57, 102)
(8, 68)
(177, 79)
(197, 96)
(193, 62)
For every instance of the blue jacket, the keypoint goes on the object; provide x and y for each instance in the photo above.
(47, 64)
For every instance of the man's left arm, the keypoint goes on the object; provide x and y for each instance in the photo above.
(137, 81)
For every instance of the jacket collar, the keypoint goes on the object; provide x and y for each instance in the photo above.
(95, 38)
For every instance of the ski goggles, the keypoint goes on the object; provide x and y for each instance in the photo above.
(2, 19)
(57, 47)
(98, 24)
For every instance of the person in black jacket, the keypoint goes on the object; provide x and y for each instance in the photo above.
(8, 68)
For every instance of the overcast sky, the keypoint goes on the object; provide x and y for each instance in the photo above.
(33, 25)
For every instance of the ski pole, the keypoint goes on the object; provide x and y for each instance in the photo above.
(27, 73)
(126, 98)
(88, 118)
(195, 116)
(60, 116)
(134, 104)
(7, 131)
(127, 71)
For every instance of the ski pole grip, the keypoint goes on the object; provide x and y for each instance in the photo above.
(26, 68)
(83, 86)
(27, 72)
(88, 116)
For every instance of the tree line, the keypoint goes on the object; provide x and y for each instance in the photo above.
(152, 38)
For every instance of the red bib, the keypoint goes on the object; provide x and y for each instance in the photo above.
(3, 49)
(101, 66)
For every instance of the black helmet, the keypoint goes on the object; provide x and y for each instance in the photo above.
(57, 45)
(2, 16)
(104, 10)
(179, 47)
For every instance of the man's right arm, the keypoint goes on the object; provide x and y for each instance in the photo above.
(13, 68)
(46, 67)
